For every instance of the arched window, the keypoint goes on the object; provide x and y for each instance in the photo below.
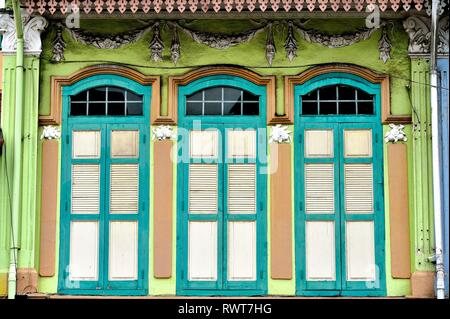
(106, 100)
(337, 100)
(222, 100)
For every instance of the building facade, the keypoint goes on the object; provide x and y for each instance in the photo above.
(222, 148)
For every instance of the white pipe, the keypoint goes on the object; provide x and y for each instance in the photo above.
(434, 81)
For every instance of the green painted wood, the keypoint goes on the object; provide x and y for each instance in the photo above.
(221, 286)
(340, 286)
(105, 124)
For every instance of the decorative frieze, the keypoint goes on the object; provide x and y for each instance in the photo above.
(419, 33)
(33, 27)
(203, 6)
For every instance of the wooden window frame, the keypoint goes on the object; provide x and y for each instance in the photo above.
(376, 78)
(58, 82)
(176, 81)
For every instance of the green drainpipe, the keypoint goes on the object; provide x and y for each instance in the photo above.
(12, 275)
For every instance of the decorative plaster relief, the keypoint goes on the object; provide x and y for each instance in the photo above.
(280, 134)
(51, 133)
(395, 134)
(33, 26)
(163, 132)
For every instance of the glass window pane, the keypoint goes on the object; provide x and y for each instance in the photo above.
(116, 108)
(97, 108)
(309, 108)
(97, 94)
(195, 97)
(213, 94)
(78, 109)
(328, 93)
(131, 97)
(364, 95)
(79, 97)
(250, 97)
(347, 108)
(232, 108)
(134, 108)
(346, 92)
(251, 108)
(213, 108)
(232, 95)
(116, 94)
(365, 108)
(193, 108)
(328, 108)
(311, 96)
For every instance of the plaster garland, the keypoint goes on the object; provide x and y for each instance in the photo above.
(395, 134)
(33, 27)
(280, 134)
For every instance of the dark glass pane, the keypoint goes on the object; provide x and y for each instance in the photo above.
(250, 97)
(328, 108)
(193, 108)
(309, 108)
(346, 92)
(231, 95)
(365, 107)
(327, 93)
(78, 109)
(195, 97)
(347, 108)
(232, 108)
(311, 96)
(116, 94)
(133, 97)
(364, 96)
(213, 108)
(97, 94)
(97, 108)
(116, 108)
(79, 97)
(213, 94)
(251, 108)
(134, 108)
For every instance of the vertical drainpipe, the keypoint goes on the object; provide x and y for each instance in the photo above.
(18, 110)
(434, 82)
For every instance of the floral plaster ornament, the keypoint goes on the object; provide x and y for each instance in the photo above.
(280, 134)
(51, 133)
(162, 132)
(395, 134)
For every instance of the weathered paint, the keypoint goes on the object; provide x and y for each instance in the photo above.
(195, 54)
(444, 140)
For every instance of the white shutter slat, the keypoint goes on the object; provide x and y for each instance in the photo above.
(241, 188)
(358, 188)
(85, 189)
(319, 188)
(203, 188)
(124, 188)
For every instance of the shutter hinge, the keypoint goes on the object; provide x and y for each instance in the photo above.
(300, 140)
(143, 205)
(145, 138)
(65, 206)
(261, 274)
(301, 205)
(377, 206)
(261, 206)
(182, 205)
(182, 274)
(67, 139)
(376, 137)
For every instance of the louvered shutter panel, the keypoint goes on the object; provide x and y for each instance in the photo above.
(319, 188)
(241, 188)
(358, 188)
(124, 188)
(85, 189)
(203, 188)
